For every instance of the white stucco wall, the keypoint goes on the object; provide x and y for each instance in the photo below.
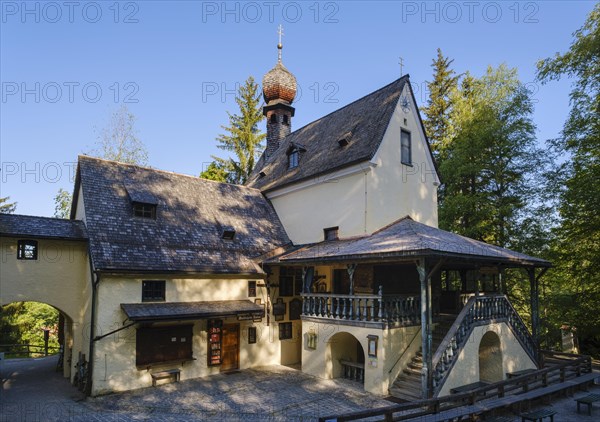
(115, 354)
(60, 277)
(364, 198)
(466, 368)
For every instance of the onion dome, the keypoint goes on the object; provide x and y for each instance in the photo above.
(279, 83)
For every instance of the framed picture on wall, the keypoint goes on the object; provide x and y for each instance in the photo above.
(279, 309)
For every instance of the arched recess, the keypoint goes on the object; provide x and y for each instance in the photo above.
(490, 358)
(347, 357)
(65, 333)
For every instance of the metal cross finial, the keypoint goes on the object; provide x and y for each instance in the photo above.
(401, 63)
(280, 46)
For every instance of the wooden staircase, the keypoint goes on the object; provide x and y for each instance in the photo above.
(408, 384)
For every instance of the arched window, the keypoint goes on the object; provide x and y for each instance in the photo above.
(273, 118)
(286, 119)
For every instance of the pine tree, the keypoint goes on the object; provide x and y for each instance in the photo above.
(243, 136)
(439, 105)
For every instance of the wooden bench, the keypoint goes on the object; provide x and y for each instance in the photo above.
(469, 387)
(510, 375)
(499, 419)
(170, 374)
(538, 415)
(589, 400)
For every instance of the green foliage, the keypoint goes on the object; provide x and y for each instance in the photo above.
(574, 287)
(7, 207)
(243, 138)
(24, 322)
(489, 159)
(215, 171)
(119, 141)
(62, 204)
(439, 105)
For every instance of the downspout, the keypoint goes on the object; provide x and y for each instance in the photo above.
(93, 274)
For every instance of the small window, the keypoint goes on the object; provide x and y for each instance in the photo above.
(27, 249)
(143, 210)
(153, 291)
(405, 147)
(228, 234)
(251, 335)
(331, 233)
(262, 174)
(343, 142)
(286, 119)
(285, 330)
(293, 159)
(290, 281)
(251, 288)
(273, 118)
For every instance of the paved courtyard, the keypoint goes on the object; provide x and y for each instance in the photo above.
(33, 391)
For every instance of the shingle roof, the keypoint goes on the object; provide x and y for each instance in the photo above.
(407, 238)
(189, 310)
(186, 236)
(41, 227)
(362, 123)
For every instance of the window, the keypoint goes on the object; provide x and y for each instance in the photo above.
(293, 159)
(286, 119)
(251, 288)
(273, 118)
(290, 281)
(405, 147)
(285, 330)
(153, 291)
(163, 344)
(143, 210)
(331, 233)
(251, 335)
(27, 249)
(228, 234)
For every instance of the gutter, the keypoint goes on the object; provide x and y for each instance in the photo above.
(95, 280)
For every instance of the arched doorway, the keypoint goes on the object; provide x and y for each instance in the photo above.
(490, 358)
(347, 357)
(32, 329)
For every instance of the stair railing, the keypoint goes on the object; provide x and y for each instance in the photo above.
(479, 310)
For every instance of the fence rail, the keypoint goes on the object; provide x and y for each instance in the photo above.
(564, 367)
(28, 349)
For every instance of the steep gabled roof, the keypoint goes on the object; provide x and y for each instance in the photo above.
(16, 225)
(187, 234)
(407, 238)
(361, 123)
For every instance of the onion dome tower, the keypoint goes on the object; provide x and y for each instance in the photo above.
(279, 91)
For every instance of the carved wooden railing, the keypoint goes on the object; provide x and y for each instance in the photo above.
(401, 310)
(479, 310)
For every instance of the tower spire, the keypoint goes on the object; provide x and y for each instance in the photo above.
(279, 45)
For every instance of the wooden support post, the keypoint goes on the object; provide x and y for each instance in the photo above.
(463, 280)
(534, 297)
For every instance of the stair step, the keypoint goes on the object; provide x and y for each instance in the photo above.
(408, 388)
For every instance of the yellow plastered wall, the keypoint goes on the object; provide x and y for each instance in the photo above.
(60, 277)
(466, 368)
(371, 196)
(115, 368)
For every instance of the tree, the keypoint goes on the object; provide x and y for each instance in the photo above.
(7, 207)
(243, 137)
(118, 141)
(215, 171)
(489, 160)
(575, 287)
(439, 105)
(62, 204)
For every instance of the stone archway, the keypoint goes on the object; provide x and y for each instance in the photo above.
(347, 357)
(490, 358)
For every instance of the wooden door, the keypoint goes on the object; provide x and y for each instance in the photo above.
(231, 347)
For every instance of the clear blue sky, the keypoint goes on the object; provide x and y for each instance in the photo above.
(180, 61)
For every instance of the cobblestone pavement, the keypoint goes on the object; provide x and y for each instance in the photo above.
(33, 391)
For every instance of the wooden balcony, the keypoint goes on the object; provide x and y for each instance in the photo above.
(361, 309)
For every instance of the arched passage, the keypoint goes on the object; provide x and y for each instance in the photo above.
(490, 358)
(27, 323)
(347, 357)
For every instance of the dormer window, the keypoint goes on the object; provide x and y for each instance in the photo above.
(228, 234)
(144, 210)
(262, 174)
(343, 142)
(331, 233)
(293, 159)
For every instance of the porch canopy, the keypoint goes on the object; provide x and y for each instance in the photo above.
(170, 311)
(406, 239)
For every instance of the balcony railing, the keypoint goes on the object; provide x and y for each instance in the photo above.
(379, 308)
